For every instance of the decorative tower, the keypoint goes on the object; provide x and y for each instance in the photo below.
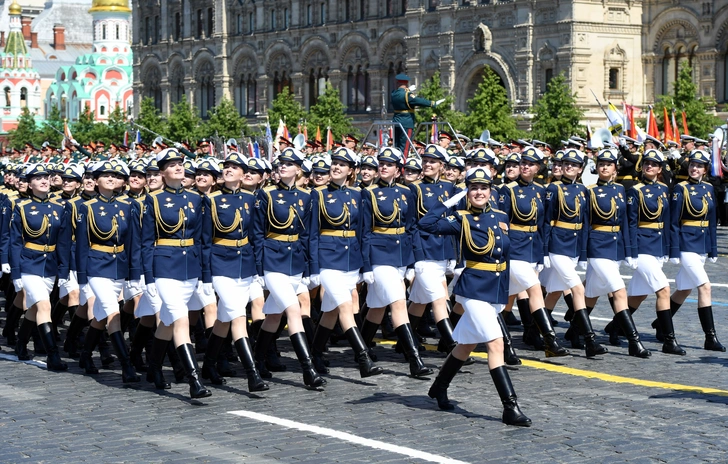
(19, 81)
(111, 25)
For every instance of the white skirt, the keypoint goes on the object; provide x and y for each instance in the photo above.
(175, 295)
(648, 277)
(602, 277)
(234, 296)
(388, 286)
(479, 323)
(283, 291)
(561, 275)
(130, 292)
(37, 288)
(148, 306)
(692, 271)
(427, 286)
(523, 276)
(107, 293)
(70, 286)
(337, 286)
(256, 291)
(199, 300)
(85, 294)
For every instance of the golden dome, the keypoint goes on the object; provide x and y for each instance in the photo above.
(116, 6)
(14, 9)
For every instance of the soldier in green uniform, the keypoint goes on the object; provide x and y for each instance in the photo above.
(404, 104)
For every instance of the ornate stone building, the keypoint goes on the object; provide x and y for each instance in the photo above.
(246, 50)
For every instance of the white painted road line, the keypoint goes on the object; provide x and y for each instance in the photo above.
(412, 453)
(32, 362)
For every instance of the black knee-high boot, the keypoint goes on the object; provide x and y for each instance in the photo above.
(141, 337)
(124, 318)
(509, 353)
(674, 307)
(361, 354)
(70, 345)
(89, 345)
(107, 358)
(318, 347)
(262, 345)
(11, 324)
(38, 347)
(310, 328)
(255, 382)
(406, 337)
(368, 331)
(582, 321)
(541, 321)
(625, 321)
(200, 334)
(508, 317)
(57, 315)
(48, 339)
(253, 331)
(178, 369)
(569, 300)
(706, 321)
(186, 355)
(223, 363)
(310, 376)
(531, 334)
(670, 345)
(209, 370)
(21, 345)
(272, 359)
(155, 359)
(438, 390)
(512, 414)
(128, 374)
(446, 343)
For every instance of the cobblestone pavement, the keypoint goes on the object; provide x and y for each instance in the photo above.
(613, 409)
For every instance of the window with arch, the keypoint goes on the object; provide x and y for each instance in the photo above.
(206, 89)
(357, 89)
(152, 87)
(103, 32)
(286, 18)
(6, 92)
(177, 85)
(177, 26)
(239, 24)
(246, 94)
(323, 13)
(251, 23)
(281, 80)
(272, 20)
(317, 78)
(309, 15)
(118, 32)
(23, 97)
(157, 30)
(102, 110)
(210, 23)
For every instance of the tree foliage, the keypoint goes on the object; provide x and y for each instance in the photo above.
(47, 132)
(491, 109)
(286, 108)
(225, 121)
(432, 90)
(556, 114)
(329, 111)
(183, 124)
(698, 110)
(151, 118)
(25, 132)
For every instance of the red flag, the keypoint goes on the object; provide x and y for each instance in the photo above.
(329, 139)
(652, 129)
(685, 124)
(305, 131)
(318, 134)
(675, 130)
(667, 126)
(632, 131)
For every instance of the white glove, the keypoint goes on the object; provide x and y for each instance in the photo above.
(631, 262)
(18, 284)
(412, 88)
(316, 279)
(151, 289)
(419, 268)
(714, 259)
(546, 262)
(73, 141)
(368, 278)
(207, 289)
(410, 274)
(259, 280)
(6, 268)
(539, 267)
(451, 263)
(305, 281)
(62, 282)
(583, 264)
(455, 199)
(440, 102)
(675, 260)
(177, 145)
(133, 284)
(674, 154)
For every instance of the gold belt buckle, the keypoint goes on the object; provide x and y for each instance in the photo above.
(45, 248)
(239, 243)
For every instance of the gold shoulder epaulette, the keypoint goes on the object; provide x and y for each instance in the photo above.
(269, 188)
(156, 192)
(321, 187)
(214, 194)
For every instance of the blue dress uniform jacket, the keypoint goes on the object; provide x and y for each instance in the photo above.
(608, 223)
(226, 230)
(280, 230)
(566, 225)
(171, 235)
(40, 232)
(523, 204)
(484, 244)
(107, 240)
(427, 194)
(649, 219)
(336, 228)
(388, 215)
(72, 211)
(8, 205)
(693, 219)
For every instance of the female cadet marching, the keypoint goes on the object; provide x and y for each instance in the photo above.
(107, 254)
(336, 256)
(39, 251)
(280, 241)
(608, 244)
(388, 222)
(171, 260)
(565, 239)
(692, 239)
(482, 288)
(522, 201)
(229, 262)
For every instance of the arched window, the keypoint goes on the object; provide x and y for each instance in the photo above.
(103, 32)
(118, 32)
(317, 78)
(206, 89)
(152, 88)
(246, 94)
(281, 80)
(177, 85)
(23, 97)
(357, 84)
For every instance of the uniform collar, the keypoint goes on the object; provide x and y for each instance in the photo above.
(282, 186)
(171, 190)
(335, 186)
(429, 180)
(86, 196)
(381, 183)
(66, 196)
(224, 189)
(522, 182)
(104, 199)
(38, 199)
(566, 180)
(693, 181)
(647, 181)
(604, 182)
(475, 210)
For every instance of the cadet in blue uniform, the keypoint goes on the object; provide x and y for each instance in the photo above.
(171, 259)
(39, 251)
(434, 253)
(368, 171)
(403, 105)
(280, 240)
(336, 256)
(229, 261)
(692, 239)
(608, 244)
(565, 239)
(388, 228)
(107, 254)
(482, 289)
(522, 201)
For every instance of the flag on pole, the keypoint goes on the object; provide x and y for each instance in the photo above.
(716, 165)
(329, 139)
(588, 135)
(675, 130)
(318, 134)
(615, 119)
(256, 150)
(251, 149)
(305, 130)
(269, 140)
(667, 135)
(280, 132)
(685, 124)
(138, 138)
(630, 127)
(126, 138)
(652, 129)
